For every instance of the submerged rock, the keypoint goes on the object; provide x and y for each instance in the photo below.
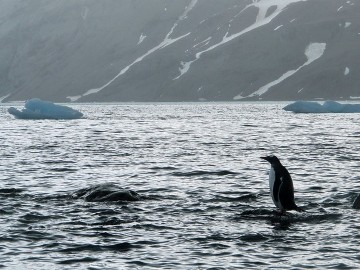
(106, 193)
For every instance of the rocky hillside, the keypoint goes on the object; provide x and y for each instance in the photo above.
(183, 50)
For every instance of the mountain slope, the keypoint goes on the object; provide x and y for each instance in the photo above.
(184, 50)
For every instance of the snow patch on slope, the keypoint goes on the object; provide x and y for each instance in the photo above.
(346, 71)
(84, 13)
(313, 52)
(188, 9)
(184, 68)
(261, 20)
(4, 97)
(166, 42)
(239, 97)
(202, 43)
(141, 38)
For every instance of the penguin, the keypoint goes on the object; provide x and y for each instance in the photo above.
(281, 186)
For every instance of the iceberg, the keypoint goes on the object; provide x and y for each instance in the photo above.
(327, 107)
(40, 109)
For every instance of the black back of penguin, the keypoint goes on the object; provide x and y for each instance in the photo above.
(286, 188)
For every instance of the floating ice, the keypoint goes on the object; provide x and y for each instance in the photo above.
(326, 107)
(39, 109)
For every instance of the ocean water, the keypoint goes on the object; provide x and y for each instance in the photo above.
(199, 191)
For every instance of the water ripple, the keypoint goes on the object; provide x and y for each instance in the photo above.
(177, 186)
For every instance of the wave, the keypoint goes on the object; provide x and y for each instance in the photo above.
(201, 173)
(79, 260)
(10, 192)
(274, 216)
(242, 198)
(122, 247)
(253, 237)
(165, 168)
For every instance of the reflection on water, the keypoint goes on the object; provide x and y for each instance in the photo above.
(177, 186)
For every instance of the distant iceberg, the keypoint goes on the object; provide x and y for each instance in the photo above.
(326, 107)
(39, 109)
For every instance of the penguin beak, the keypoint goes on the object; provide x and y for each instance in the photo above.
(266, 158)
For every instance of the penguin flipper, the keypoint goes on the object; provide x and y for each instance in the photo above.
(286, 196)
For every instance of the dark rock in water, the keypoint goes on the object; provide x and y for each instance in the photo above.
(356, 204)
(106, 193)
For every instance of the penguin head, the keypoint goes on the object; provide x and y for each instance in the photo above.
(273, 160)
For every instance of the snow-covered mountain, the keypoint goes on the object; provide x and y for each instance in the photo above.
(183, 50)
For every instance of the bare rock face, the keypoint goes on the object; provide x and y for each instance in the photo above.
(184, 50)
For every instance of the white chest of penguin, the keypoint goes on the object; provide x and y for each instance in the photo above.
(272, 178)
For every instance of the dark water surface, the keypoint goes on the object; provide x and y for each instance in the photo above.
(178, 186)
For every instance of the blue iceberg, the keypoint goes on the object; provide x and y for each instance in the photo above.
(326, 107)
(39, 109)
